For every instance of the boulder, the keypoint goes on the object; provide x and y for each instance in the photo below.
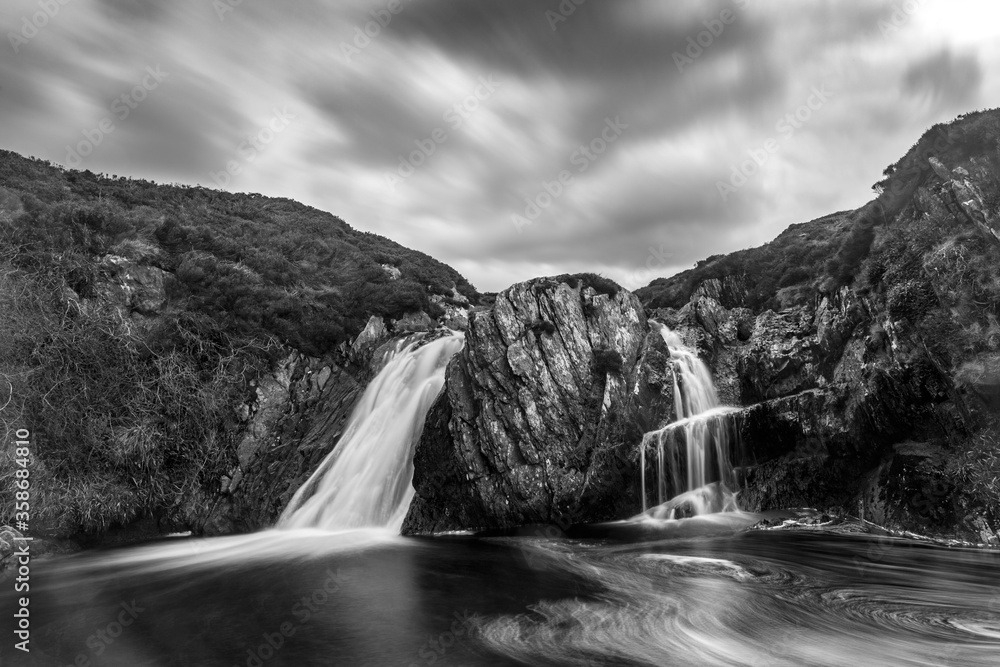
(541, 413)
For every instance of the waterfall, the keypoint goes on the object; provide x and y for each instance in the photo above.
(699, 442)
(367, 480)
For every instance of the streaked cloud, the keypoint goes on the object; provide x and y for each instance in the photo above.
(648, 203)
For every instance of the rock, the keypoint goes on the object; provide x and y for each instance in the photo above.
(393, 272)
(133, 286)
(860, 400)
(528, 429)
(455, 317)
(939, 168)
(146, 287)
(268, 407)
(414, 322)
(374, 334)
(981, 375)
(8, 545)
(295, 419)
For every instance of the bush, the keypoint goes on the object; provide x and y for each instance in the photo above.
(599, 284)
(845, 265)
(910, 300)
(796, 256)
(292, 256)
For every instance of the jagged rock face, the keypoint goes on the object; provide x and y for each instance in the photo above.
(293, 420)
(860, 400)
(541, 413)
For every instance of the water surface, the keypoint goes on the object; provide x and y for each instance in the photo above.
(749, 597)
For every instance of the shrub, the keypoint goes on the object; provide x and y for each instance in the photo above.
(793, 276)
(796, 255)
(599, 284)
(910, 300)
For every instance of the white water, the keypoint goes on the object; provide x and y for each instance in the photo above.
(366, 481)
(704, 429)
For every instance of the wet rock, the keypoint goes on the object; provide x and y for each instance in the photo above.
(373, 335)
(530, 428)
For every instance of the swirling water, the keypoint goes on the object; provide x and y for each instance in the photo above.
(700, 591)
(654, 590)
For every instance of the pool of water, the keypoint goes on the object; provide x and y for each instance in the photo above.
(726, 596)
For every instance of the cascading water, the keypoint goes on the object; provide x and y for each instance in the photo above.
(366, 481)
(699, 441)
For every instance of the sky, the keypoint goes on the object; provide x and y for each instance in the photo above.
(507, 138)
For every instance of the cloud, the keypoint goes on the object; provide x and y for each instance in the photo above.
(561, 77)
(945, 78)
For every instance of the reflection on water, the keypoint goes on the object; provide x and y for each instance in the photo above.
(674, 597)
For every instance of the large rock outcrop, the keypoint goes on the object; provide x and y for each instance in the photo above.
(867, 365)
(541, 411)
(869, 399)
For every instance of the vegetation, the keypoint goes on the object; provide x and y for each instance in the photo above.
(974, 133)
(827, 253)
(599, 284)
(976, 471)
(797, 257)
(131, 414)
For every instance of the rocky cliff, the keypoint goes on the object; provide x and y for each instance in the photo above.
(198, 387)
(864, 348)
(877, 397)
(541, 411)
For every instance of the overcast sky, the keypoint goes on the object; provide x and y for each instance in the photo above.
(631, 126)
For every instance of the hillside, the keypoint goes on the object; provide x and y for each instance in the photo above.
(865, 345)
(139, 320)
(253, 264)
(817, 257)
